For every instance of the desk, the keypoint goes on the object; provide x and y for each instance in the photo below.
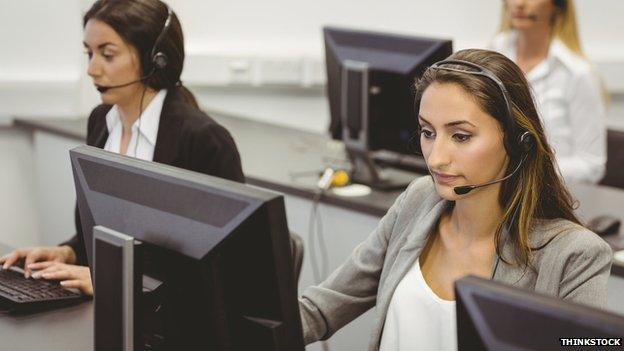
(67, 329)
(269, 155)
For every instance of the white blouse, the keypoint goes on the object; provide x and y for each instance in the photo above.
(417, 318)
(143, 143)
(569, 101)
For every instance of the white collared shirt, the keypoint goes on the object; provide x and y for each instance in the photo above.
(569, 101)
(143, 143)
(417, 318)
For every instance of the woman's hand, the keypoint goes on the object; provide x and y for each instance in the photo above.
(30, 255)
(71, 276)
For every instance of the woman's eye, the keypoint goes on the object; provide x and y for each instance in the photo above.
(426, 133)
(107, 57)
(461, 137)
(89, 54)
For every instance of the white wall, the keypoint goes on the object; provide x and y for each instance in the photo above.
(41, 66)
(286, 26)
(254, 43)
(18, 219)
(263, 35)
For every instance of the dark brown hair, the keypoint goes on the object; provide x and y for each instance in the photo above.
(139, 23)
(537, 191)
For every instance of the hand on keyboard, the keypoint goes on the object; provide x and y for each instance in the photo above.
(31, 255)
(71, 276)
(19, 294)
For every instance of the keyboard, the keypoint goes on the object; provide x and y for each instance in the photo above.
(23, 294)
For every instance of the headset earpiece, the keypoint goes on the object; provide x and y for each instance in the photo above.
(526, 142)
(561, 4)
(159, 60)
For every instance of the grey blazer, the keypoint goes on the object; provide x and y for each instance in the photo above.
(574, 264)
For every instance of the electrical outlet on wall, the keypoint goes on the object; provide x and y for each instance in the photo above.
(241, 71)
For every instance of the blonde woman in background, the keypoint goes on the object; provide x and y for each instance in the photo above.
(541, 36)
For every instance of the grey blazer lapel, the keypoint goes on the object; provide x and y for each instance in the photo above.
(415, 237)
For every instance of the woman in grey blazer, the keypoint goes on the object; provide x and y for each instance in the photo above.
(494, 206)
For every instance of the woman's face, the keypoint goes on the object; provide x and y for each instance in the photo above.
(530, 14)
(111, 62)
(461, 143)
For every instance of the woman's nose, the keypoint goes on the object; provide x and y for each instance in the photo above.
(439, 155)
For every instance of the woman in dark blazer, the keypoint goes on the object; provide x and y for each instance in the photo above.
(136, 54)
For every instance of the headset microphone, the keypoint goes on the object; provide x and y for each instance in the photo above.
(105, 88)
(533, 17)
(465, 189)
(526, 142)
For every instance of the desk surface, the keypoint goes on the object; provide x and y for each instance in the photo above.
(66, 329)
(265, 149)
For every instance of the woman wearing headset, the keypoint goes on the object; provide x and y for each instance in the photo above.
(541, 36)
(136, 53)
(494, 207)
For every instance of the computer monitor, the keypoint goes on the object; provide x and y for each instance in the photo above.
(494, 316)
(370, 87)
(220, 248)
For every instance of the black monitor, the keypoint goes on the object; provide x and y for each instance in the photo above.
(370, 86)
(494, 316)
(221, 249)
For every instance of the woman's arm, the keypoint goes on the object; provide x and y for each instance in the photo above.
(586, 260)
(350, 290)
(97, 120)
(588, 129)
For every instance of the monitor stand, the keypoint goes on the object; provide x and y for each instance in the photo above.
(127, 310)
(117, 286)
(365, 171)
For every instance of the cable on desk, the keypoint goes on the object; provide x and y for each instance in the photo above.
(316, 237)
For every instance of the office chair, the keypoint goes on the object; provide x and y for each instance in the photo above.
(614, 175)
(296, 251)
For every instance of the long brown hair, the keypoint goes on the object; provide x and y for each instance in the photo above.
(537, 191)
(139, 23)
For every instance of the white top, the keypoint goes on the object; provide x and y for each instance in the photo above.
(417, 318)
(569, 100)
(147, 125)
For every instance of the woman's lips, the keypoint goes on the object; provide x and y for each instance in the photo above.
(443, 178)
(520, 16)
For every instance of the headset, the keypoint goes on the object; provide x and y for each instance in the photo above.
(561, 4)
(524, 140)
(158, 59)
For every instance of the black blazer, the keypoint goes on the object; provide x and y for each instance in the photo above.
(187, 138)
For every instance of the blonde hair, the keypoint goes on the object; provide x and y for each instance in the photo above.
(564, 28)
